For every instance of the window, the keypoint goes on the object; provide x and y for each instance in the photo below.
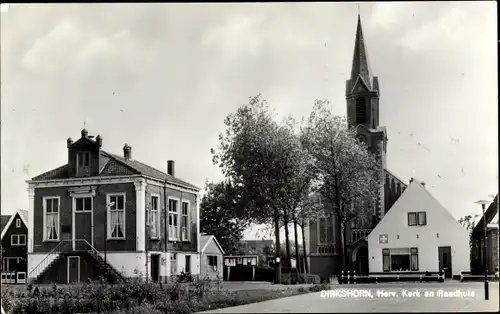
(212, 260)
(422, 218)
(185, 221)
(51, 219)
(116, 216)
(173, 224)
(83, 159)
(400, 259)
(155, 218)
(417, 218)
(18, 239)
(12, 263)
(18, 223)
(360, 110)
(412, 219)
(173, 263)
(83, 204)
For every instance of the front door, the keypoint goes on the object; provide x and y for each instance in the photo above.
(188, 264)
(82, 221)
(155, 268)
(73, 269)
(444, 253)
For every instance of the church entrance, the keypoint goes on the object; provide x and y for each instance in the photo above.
(361, 264)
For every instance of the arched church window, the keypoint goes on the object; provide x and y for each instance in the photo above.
(360, 110)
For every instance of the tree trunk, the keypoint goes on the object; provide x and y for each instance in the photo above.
(342, 244)
(277, 266)
(297, 252)
(306, 266)
(287, 243)
(344, 247)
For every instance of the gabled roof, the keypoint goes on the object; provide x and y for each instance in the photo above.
(4, 219)
(490, 213)
(114, 165)
(415, 186)
(205, 240)
(23, 214)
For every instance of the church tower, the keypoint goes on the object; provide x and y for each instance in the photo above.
(362, 98)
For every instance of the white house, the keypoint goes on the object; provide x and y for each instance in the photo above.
(418, 234)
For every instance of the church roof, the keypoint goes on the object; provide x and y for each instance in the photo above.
(360, 63)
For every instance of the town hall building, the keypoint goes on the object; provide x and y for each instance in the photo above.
(108, 215)
(363, 108)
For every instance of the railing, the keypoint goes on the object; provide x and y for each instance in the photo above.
(51, 256)
(54, 254)
(108, 265)
(326, 249)
(359, 233)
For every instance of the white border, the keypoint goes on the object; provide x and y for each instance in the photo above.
(44, 204)
(74, 196)
(158, 218)
(108, 231)
(168, 217)
(70, 257)
(188, 230)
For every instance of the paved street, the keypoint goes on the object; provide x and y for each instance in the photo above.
(255, 285)
(317, 302)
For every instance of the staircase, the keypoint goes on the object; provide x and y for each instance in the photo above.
(91, 255)
(53, 256)
(109, 272)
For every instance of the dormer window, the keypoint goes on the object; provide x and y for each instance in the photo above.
(83, 159)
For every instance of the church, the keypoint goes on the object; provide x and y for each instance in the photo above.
(323, 236)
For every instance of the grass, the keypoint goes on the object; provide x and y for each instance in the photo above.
(137, 297)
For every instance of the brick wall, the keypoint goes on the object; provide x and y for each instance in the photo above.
(159, 245)
(99, 205)
(493, 251)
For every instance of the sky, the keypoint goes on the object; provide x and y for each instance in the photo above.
(162, 78)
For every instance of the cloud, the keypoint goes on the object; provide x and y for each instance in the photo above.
(71, 46)
(387, 14)
(253, 35)
(48, 51)
(449, 28)
(239, 35)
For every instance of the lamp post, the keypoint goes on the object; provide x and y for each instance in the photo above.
(108, 206)
(486, 287)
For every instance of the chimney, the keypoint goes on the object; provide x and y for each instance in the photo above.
(85, 133)
(98, 140)
(69, 141)
(411, 179)
(171, 167)
(127, 152)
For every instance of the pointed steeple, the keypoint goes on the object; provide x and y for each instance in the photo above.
(360, 64)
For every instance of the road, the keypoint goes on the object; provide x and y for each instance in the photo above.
(378, 299)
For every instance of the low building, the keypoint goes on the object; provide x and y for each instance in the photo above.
(212, 255)
(478, 256)
(261, 248)
(240, 267)
(14, 247)
(419, 234)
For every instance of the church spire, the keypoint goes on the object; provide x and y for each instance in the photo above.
(360, 64)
